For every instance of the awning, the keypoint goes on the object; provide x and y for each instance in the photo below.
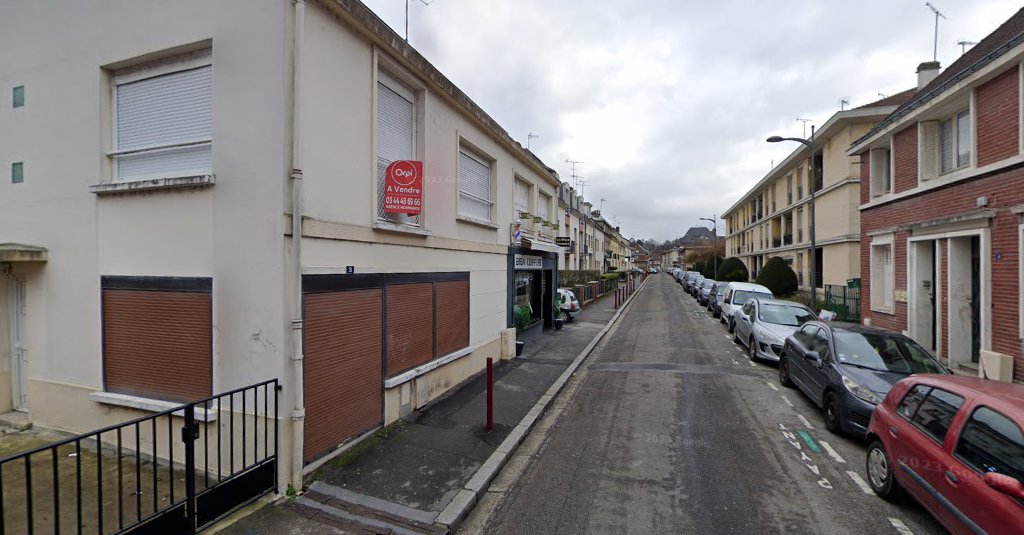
(17, 252)
(537, 245)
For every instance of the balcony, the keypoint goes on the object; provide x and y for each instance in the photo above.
(787, 239)
(776, 242)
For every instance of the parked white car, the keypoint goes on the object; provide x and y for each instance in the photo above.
(736, 295)
(568, 303)
(763, 325)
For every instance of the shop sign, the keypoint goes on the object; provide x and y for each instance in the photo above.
(403, 187)
(562, 241)
(523, 261)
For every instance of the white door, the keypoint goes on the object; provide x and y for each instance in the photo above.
(19, 353)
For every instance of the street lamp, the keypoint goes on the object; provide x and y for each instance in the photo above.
(714, 241)
(814, 184)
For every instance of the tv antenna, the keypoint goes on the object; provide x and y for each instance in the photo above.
(805, 121)
(882, 95)
(582, 183)
(935, 49)
(530, 136)
(575, 177)
(964, 44)
(425, 3)
(843, 103)
(602, 206)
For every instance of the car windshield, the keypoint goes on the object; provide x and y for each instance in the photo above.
(740, 297)
(790, 315)
(884, 352)
(708, 284)
(720, 291)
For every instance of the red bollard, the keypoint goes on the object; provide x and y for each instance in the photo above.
(490, 393)
(616, 299)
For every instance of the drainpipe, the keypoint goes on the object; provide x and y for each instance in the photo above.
(295, 179)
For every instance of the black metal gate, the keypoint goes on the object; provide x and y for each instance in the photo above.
(126, 479)
(844, 301)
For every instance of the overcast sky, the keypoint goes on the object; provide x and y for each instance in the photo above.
(668, 102)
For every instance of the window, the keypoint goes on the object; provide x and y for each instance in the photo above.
(163, 119)
(936, 412)
(882, 275)
(543, 206)
(991, 442)
(157, 337)
(955, 142)
(521, 197)
(799, 183)
(17, 172)
(396, 137)
(18, 96)
(881, 171)
(474, 185)
(789, 189)
(912, 400)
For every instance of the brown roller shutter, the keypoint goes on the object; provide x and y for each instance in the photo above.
(452, 308)
(344, 384)
(410, 326)
(157, 344)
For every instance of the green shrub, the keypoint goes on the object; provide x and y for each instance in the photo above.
(521, 316)
(777, 276)
(573, 278)
(708, 268)
(732, 270)
(610, 276)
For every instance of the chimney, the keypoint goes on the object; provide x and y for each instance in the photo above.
(926, 72)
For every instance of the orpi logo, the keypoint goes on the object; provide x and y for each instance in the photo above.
(405, 172)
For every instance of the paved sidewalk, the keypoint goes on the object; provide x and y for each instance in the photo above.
(404, 477)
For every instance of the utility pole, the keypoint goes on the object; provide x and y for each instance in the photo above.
(575, 178)
(935, 49)
(714, 241)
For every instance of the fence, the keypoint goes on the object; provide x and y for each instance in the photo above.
(844, 301)
(146, 475)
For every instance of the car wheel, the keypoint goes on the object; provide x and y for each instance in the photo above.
(880, 474)
(832, 412)
(732, 325)
(735, 336)
(752, 349)
(568, 317)
(784, 378)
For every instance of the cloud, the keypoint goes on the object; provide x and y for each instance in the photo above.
(668, 102)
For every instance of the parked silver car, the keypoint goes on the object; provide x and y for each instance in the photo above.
(736, 295)
(763, 325)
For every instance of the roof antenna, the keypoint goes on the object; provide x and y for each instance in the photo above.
(964, 44)
(805, 121)
(575, 177)
(843, 103)
(935, 49)
(424, 2)
(882, 95)
(530, 136)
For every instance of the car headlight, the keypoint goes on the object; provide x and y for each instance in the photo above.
(860, 391)
(768, 337)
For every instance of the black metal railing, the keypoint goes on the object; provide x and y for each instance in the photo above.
(844, 301)
(146, 475)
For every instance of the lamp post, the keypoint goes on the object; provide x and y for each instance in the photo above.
(809, 143)
(714, 241)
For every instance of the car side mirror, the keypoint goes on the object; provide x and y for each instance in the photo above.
(813, 356)
(1005, 484)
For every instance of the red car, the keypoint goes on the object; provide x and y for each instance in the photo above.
(955, 445)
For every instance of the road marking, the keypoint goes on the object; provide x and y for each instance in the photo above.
(900, 526)
(832, 453)
(810, 441)
(804, 421)
(727, 337)
(788, 402)
(735, 362)
(860, 482)
(772, 386)
(752, 363)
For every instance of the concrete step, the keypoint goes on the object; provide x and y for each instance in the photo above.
(362, 518)
(16, 420)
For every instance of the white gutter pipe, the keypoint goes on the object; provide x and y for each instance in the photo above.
(295, 179)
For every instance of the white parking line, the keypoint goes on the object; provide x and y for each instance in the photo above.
(804, 421)
(752, 363)
(900, 526)
(736, 362)
(772, 386)
(832, 452)
(860, 482)
(788, 402)
(727, 337)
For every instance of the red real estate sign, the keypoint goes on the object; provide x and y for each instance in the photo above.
(403, 187)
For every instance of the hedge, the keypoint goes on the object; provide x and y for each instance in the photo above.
(732, 269)
(777, 276)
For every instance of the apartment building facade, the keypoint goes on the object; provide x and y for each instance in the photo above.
(220, 214)
(941, 211)
(772, 219)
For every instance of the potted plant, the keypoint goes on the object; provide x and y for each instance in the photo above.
(521, 319)
(557, 305)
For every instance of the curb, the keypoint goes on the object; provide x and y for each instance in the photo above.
(458, 509)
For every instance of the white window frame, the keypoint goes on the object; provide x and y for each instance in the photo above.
(955, 134)
(487, 162)
(169, 65)
(887, 303)
(875, 182)
(409, 94)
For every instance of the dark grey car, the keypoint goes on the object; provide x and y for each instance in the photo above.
(847, 369)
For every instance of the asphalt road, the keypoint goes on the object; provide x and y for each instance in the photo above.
(669, 428)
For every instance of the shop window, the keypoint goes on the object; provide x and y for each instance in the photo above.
(528, 293)
(396, 137)
(157, 337)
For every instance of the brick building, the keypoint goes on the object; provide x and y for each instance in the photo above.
(941, 210)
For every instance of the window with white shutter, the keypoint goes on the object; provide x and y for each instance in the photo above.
(881, 171)
(883, 276)
(955, 142)
(163, 120)
(396, 137)
(521, 197)
(543, 206)
(474, 185)
(928, 150)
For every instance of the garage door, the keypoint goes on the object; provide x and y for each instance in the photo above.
(343, 368)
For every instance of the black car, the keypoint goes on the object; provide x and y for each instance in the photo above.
(847, 369)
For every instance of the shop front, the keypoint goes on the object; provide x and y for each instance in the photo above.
(532, 278)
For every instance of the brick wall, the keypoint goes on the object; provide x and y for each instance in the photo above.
(1004, 190)
(905, 159)
(998, 118)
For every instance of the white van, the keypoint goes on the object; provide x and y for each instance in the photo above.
(736, 295)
